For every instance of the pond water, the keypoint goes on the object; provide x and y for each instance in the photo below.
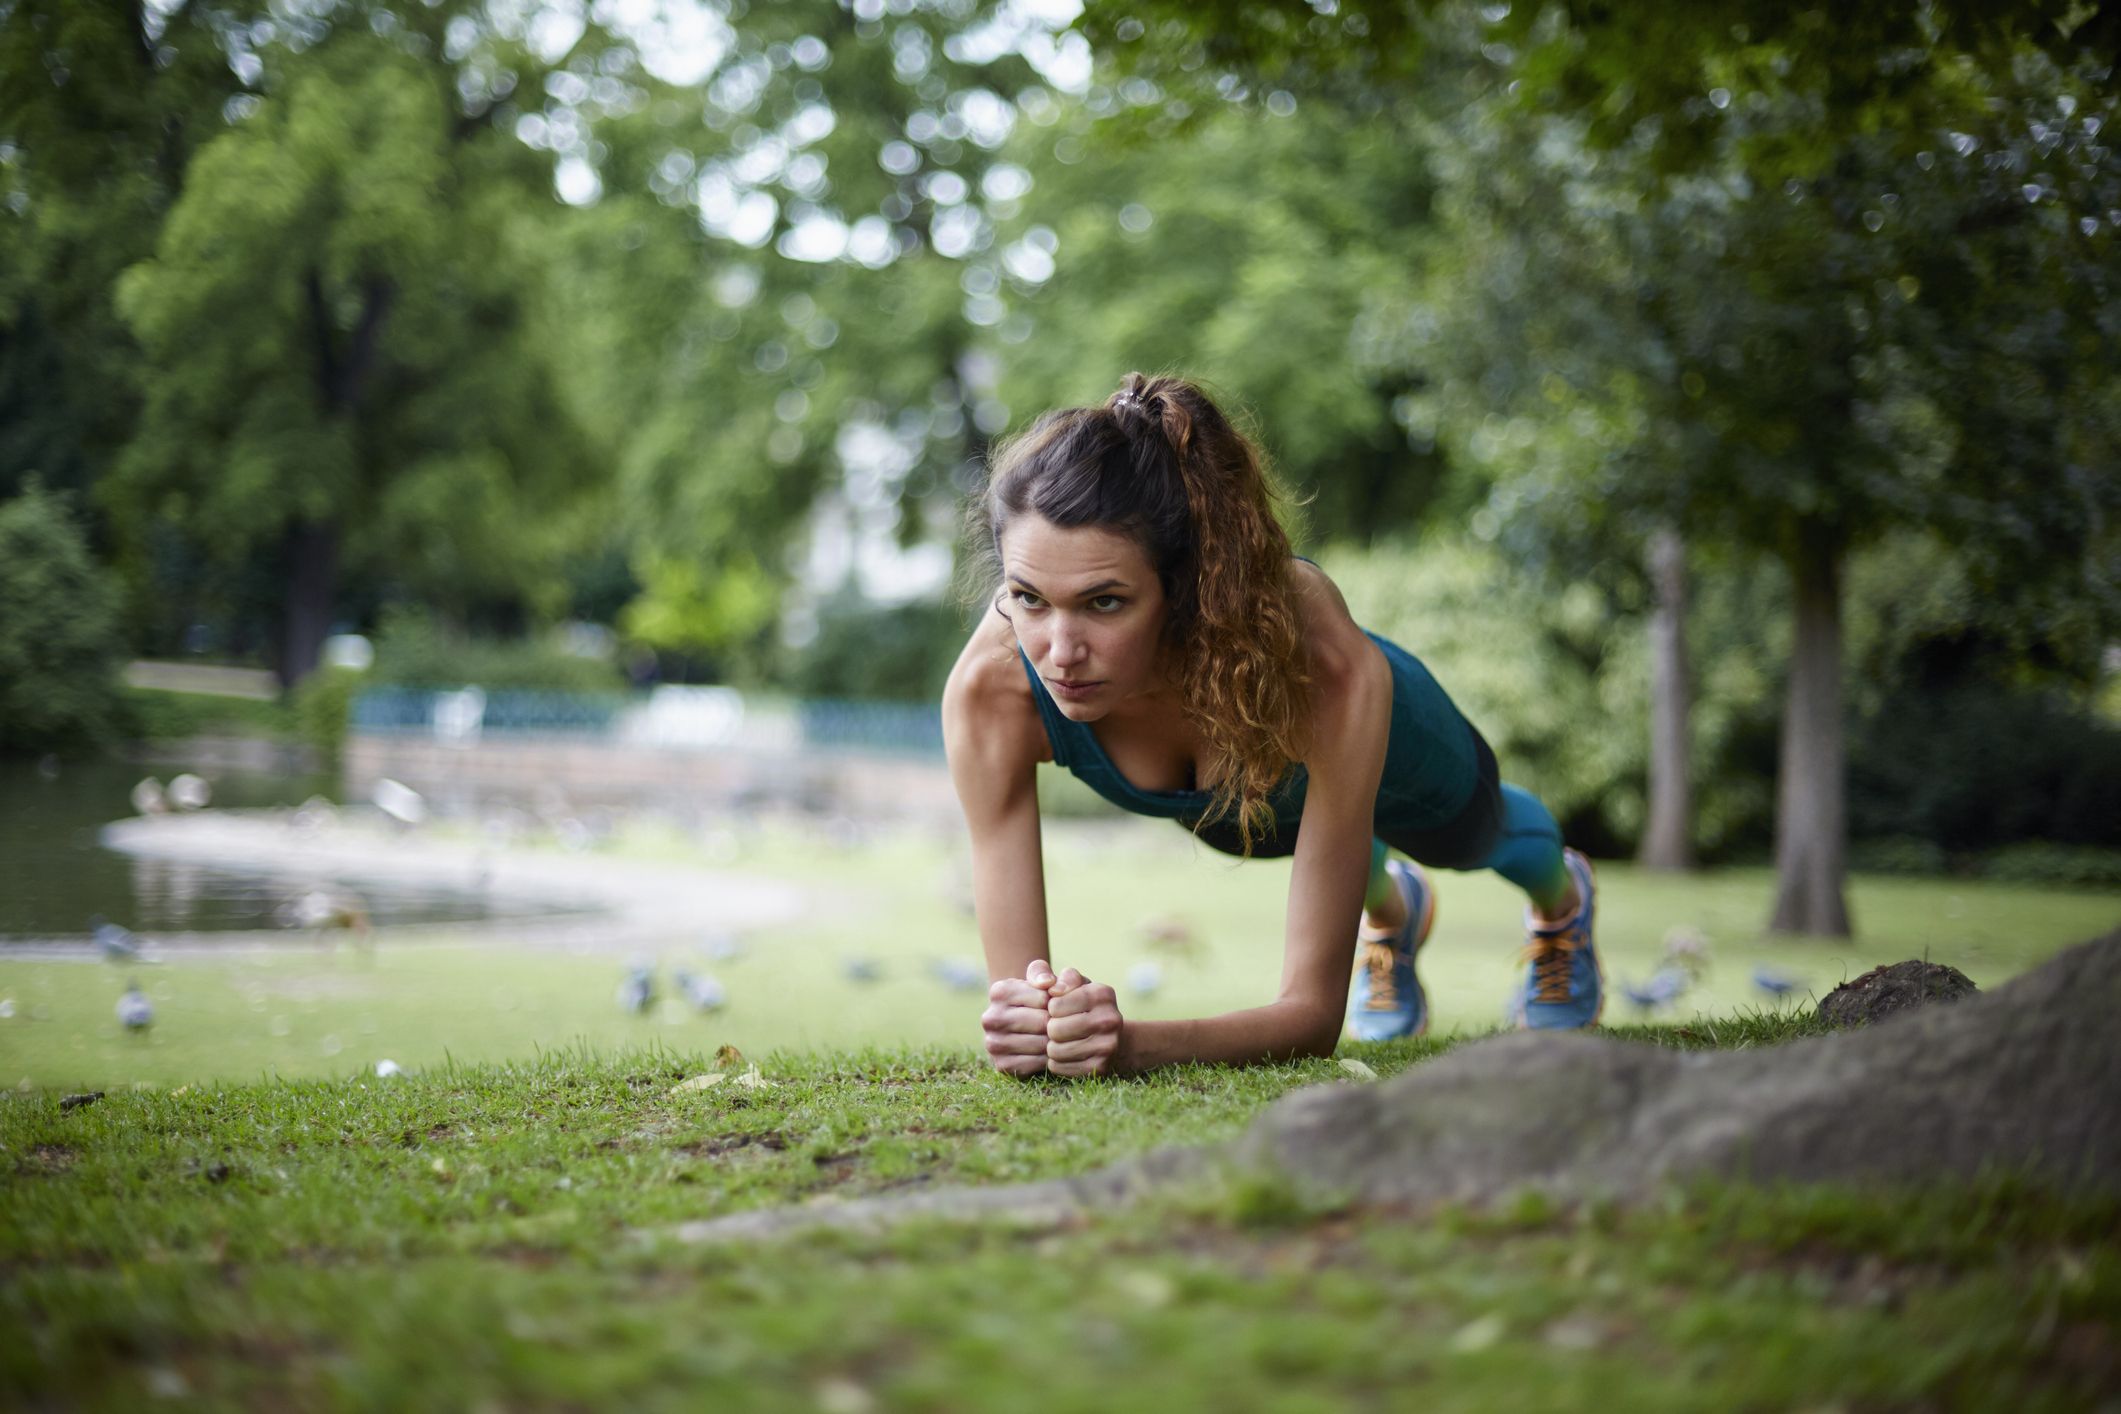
(54, 874)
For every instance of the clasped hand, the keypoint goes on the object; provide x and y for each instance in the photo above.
(1064, 1025)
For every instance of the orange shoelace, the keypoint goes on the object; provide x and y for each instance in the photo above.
(1550, 958)
(1377, 960)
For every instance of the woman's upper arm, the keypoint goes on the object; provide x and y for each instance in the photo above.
(994, 740)
(1351, 722)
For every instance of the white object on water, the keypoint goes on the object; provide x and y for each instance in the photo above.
(1144, 978)
(399, 801)
(387, 1068)
(135, 1012)
(460, 716)
(148, 798)
(189, 792)
(349, 650)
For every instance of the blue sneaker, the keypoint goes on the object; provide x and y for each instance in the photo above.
(1563, 987)
(1386, 1000)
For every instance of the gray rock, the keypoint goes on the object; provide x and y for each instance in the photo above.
(1883, 991)
(2023, 1079)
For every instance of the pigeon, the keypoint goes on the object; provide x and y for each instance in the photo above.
(1144, 978)
(1686, 949)
(959, 975)
(118, 942)
(704, 992)
(189, 792)
(135, 1012)
(862, 969)
(637, 992)
(1775, 984)
(1664, 987)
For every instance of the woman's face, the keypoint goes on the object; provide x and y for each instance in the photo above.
(1088, 610)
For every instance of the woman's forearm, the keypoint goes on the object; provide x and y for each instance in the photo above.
(1278, 1031)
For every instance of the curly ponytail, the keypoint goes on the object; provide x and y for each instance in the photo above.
(1160, 463)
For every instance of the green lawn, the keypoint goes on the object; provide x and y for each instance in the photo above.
(493, 1230)
(498, 1237)
(297, 1010)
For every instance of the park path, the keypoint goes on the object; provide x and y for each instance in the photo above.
(599, 902)
(256, 684)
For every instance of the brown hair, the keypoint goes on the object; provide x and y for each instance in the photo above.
(1159, 463)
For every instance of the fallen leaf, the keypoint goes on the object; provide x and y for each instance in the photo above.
(1356, 1068)
(700, 1082)
(752, 1080)
(180, 1090)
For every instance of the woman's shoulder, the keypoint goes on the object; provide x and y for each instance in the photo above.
(1340, 653)
(988, 696)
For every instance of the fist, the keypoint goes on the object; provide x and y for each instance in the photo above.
(1014, 1022)
(1082, 1026)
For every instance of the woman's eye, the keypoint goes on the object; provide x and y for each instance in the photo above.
(1026, 598)
(1107, 603)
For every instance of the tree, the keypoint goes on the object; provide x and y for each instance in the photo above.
(1847, 320)
(59, 643)
(344, 358)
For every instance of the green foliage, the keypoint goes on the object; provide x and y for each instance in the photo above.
(1556, 678)
(896, 652)
(60, 648)
(413, 650)
(155, 715)
(2038, 863)
(322, 705)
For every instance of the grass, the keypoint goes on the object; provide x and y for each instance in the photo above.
(301, 1010)
(496, 1235)
(157, 714)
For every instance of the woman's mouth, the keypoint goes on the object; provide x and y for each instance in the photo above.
(1073, 690)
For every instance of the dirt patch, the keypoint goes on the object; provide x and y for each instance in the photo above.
(1884, 991)
(47, 1160)
(725, 1144)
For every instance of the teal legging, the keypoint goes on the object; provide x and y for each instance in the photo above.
(1527, 852)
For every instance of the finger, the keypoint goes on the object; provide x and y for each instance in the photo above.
(1067, 982)
(1078, 1069)
(1020, 1020)
(1039, 973)
(1015, 991)
(1002, 1043)
(1020, 1065)
(1076, 1028)
(1078, 1052)
(1084, 998)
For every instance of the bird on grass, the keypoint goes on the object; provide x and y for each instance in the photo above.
(135, 1012)
(318, 909)
(959, 975)
(701, 990)
(637, 992)
(1776, 984)
(117, 942)
(1665, 986)
(862, 969)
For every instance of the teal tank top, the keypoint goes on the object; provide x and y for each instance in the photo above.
(1432, 758)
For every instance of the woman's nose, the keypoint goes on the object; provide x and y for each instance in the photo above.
(1069, 646)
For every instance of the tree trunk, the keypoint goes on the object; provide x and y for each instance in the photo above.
(1667, 838)
(1811, 824)
(311, 554)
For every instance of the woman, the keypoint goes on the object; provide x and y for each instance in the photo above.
(1152, 633)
